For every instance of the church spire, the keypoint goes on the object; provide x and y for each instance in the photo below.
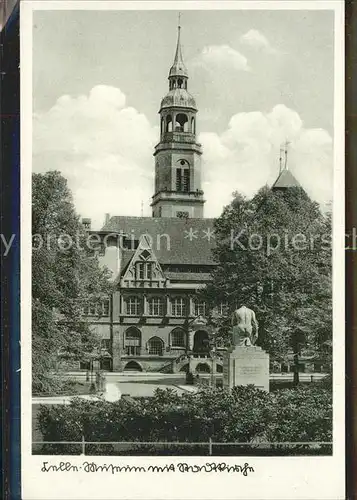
(285, 179)
(178, 190)
(178, 68)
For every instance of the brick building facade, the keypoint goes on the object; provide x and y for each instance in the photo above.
(154, 318)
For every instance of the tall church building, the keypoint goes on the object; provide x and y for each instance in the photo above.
(155, 321)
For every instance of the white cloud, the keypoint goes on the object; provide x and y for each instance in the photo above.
(246, 156)
(224, 56)
(255, 39)
(104, 148)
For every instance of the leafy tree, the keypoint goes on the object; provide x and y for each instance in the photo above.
(65, 276)
(274, 255)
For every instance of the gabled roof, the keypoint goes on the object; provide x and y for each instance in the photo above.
(142, 254)
(285, 180)
(174, 240)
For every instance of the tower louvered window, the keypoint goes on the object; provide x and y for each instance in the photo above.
(183, 178)
(186, 180)
(178, 179)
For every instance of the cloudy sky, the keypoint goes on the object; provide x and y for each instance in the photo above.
(259, 78)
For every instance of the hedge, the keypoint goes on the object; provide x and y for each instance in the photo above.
(243, 414)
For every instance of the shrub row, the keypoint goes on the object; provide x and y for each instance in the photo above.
(243, 414)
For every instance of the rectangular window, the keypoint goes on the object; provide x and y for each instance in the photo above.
(144, 270)
(96, 309)
(105, 344)
(156, 306)
(140, 271)
(149, 267)
(92, 310)
(178, 307)
(105, 308)
(200, 308)
(133, 306)
(132, 350)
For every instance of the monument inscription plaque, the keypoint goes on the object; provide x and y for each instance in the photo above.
(245, 366)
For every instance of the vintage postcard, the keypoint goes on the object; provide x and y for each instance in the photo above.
(182, 250)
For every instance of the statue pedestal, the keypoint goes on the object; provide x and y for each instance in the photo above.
(246, 365)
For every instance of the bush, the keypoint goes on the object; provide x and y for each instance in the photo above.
(243, 414)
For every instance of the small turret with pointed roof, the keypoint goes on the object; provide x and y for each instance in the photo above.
(285, 179)
(178, 77)
(178, 69)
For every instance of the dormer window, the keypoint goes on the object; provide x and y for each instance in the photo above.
(144, 270)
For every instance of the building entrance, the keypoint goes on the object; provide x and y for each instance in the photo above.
(201, 342)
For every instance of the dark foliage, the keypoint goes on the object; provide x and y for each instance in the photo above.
(242, 415)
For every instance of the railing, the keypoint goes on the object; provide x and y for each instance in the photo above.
(181, 136)
(207, 447)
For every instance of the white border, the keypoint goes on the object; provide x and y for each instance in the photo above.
(275, 477)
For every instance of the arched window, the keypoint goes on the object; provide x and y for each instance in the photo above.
(179, 83)
(133, 306)
(200, 308)
(132, 341)
(156, 306)
(178, 338)
(169, 123)
(181, 124)
(193, 125)
(201, 341)
(183, 176)
(155, 346)
(178, 307)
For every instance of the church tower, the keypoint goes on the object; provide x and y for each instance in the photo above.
(178, 190)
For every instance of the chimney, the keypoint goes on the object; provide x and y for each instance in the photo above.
(106, 219)
(86, 224)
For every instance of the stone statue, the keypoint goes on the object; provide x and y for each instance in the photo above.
(245, 327)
